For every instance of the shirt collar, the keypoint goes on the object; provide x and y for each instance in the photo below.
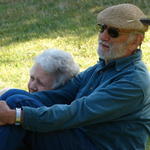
(121, 62)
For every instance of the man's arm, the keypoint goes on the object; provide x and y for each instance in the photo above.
(63, 95)
(103, 105)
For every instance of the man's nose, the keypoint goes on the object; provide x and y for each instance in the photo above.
(104, 36)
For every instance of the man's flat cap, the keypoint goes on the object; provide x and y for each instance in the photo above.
(124, 16)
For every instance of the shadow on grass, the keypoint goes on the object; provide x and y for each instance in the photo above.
(24, 20)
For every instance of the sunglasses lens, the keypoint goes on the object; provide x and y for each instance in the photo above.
(101, 27)
(113, 32)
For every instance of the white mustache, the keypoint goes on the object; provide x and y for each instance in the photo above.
(103, 43)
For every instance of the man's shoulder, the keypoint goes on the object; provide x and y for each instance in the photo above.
(140, 76)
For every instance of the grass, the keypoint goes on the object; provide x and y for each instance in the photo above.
(30, 26)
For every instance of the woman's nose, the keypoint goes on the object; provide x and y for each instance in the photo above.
(33, 87)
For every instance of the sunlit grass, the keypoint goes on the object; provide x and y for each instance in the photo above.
(17, 57)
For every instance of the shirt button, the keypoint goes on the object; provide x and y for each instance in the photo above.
(91, 88)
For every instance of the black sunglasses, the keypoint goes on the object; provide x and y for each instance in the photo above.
(113, 32)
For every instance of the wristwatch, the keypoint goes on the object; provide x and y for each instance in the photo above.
(18, 116)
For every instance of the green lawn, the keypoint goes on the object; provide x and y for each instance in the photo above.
(30, 26)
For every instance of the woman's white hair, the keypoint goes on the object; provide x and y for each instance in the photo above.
(59, 64)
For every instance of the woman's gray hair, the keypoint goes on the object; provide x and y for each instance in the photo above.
(59, 64)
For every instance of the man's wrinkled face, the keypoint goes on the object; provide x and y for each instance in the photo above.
(39, 79)
(110, 48)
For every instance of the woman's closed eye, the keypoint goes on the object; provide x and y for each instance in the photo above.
(40, 82)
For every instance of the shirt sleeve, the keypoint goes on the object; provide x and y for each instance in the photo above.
(113, 102)
(63, 95)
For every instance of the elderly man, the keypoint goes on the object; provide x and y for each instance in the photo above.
(105, 107)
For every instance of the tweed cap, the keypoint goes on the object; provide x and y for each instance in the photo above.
(123, 16)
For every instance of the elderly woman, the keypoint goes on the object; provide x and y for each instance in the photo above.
(51, 70)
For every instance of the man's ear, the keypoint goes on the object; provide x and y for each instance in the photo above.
(140, 38)
(136, 42)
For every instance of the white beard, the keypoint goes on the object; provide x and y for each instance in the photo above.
(114, 51)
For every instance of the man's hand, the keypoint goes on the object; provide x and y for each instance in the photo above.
(7, 115)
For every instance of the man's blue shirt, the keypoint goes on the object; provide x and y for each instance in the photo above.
(110, 103)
